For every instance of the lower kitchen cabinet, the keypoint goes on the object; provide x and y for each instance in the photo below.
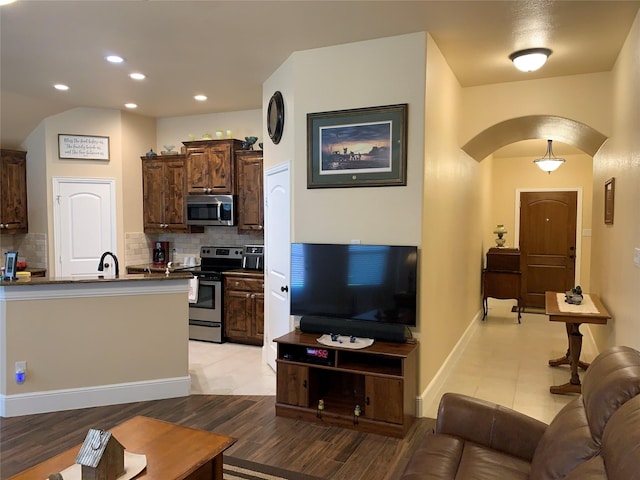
(244, 308)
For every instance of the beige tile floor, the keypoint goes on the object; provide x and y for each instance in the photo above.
(504, 362)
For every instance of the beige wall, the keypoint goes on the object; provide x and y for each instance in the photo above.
(379, 76)
(138, 134)
(583, 98)
(175, 130)
(79, 342)
(614, 275)
(451, 246)
(509, 174)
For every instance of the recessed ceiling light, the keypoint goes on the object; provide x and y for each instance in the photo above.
(137, 76)
(200, 98)
(131, 105)
(60, 86)
(114, 59)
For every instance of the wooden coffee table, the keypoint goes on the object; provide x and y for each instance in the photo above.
(173, 452)
(573, 321)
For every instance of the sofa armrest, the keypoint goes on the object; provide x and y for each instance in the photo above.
(489, 424)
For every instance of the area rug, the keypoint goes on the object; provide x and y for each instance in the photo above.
(238, 469)
(537, 310)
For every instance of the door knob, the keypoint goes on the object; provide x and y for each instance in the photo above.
(284, 289)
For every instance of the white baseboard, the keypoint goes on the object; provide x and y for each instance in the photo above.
(430, 393)
(73, 398)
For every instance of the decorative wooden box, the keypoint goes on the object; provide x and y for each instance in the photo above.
(101, 456)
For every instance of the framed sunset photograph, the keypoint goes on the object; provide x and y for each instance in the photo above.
(361, 147)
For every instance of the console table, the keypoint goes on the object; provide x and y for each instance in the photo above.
(502, 278)
(173, 452)
(573, 321)
(327, 384)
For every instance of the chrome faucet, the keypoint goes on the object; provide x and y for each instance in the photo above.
(101, 265)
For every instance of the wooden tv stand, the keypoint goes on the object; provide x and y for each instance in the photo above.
(380, 379)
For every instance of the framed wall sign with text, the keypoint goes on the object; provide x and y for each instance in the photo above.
(83, 147)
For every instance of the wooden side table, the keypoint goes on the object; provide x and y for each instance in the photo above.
(173, 451)
(573, 321)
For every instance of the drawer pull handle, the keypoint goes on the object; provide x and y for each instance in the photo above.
(285, 288)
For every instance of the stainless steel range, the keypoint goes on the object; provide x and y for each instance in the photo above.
(206, 314)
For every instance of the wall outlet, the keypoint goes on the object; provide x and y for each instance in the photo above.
(21, 371)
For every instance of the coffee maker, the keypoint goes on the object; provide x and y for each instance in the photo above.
(160, 254)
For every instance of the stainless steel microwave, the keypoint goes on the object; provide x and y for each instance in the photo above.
(211, 210)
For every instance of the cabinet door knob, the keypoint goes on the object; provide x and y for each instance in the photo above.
(284, 288)
(246, 295)
(260, 227)
(236, 284)
(253, 295)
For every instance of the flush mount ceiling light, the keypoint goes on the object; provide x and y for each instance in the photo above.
(531, 59)
(200, 98)
(137, 76)
(114, 59)
(549, 162)
(131, 105)
(61, 86)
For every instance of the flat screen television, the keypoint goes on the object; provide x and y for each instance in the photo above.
(375, 283)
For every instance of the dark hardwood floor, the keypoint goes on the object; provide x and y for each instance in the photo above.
(325, 452)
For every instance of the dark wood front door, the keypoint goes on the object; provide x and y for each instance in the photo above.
(547, 243)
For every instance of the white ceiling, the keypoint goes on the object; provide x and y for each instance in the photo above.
(227, 49)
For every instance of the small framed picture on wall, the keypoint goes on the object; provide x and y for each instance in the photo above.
(609, 198)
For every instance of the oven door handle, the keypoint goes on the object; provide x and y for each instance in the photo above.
(210, 282)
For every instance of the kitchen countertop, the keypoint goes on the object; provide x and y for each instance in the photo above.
(180, 269)
(97, 279)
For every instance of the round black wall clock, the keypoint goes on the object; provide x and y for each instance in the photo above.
(275, 117)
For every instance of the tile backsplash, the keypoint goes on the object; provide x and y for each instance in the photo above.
(138, 245)
(31, 247)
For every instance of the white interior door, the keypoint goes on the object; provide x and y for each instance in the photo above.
(84, 219)
(277, 249)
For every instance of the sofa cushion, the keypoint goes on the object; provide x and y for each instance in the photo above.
(566, 443)
(608, 384)
(621, 442)
(445, 457)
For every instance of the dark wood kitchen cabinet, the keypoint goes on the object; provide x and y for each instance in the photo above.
(13, 192)
(210, 166)
(164, 195)
(250, 191)
(244, 308)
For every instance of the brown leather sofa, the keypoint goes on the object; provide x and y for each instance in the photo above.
(595, 436)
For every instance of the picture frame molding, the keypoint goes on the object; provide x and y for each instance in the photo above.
(340, 170)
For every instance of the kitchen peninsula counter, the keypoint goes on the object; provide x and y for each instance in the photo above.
(136, 277)
(93, 341)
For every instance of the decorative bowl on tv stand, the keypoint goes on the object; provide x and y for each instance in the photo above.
(249, 142)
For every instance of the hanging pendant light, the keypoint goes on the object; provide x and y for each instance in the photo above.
(549, 162)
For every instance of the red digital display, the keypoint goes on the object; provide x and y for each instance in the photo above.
(318, 352)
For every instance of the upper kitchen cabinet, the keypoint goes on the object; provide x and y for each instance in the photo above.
(250, 191)
(13, 192)
(210, 166)
(164, 195)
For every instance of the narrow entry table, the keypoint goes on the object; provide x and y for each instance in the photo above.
(559, 311)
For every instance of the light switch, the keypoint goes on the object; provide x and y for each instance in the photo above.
(636, 257)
